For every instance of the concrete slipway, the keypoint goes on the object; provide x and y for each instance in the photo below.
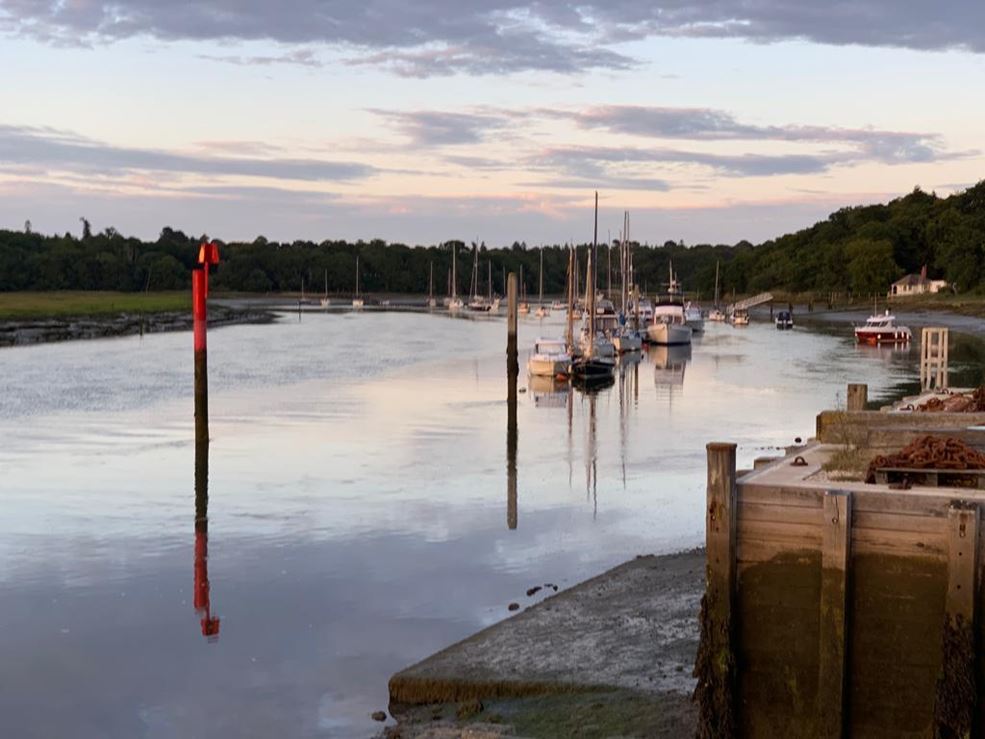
(625, 640)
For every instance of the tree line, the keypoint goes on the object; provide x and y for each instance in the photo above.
(856, 249)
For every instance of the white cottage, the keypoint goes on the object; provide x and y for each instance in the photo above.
(916, 285)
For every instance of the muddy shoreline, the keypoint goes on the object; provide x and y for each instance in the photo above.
(27, 331)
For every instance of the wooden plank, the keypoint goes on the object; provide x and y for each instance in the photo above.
(779, 513)
(899, 543)
(835, 614)
(796, 535)
(779, 496)
(922, 524)
(755, 551)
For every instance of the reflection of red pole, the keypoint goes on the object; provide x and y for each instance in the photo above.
(208, 254)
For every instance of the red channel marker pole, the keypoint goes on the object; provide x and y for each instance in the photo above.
(208, 254)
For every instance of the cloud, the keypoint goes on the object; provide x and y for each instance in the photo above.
(297, 57)
(436, 37)
(61, 150)
(706, 124)
(439, 128)
(599, 161)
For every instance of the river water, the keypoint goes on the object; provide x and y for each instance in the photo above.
(358, 513)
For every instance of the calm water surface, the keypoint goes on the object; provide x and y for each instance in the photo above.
(357, 515)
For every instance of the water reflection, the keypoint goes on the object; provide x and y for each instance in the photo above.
(548, 392)
(669, 364)
(202, 596)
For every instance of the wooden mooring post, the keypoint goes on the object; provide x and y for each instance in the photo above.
(836, 537)
(933, 358)
(512, 371)
(715, 666)
(857, 397)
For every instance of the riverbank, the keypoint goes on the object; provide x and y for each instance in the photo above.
(612, 656)
(34, 318)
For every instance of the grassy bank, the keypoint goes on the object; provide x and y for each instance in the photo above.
(33, 305)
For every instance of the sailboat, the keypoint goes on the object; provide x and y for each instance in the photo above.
(357, 302)
(325, 302)
(625, 338)
(717, 314)
(454, 302)
(542, 310)
(591, 370)
(493, 302)
(524, 307)
(477, 302)
(431, 301)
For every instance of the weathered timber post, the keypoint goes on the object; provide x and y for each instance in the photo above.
(512, 370)
(715, 664)
(954, 704)
(832, 689)
(858, 396)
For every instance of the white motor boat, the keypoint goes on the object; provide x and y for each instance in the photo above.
(668, 332)
(784, 320)
(717, 314)
(358, 302)
(882, 329)
(558, 306)
(694, 318)
(542, 311)
(455, 304)
(740, 318)
(550, 359)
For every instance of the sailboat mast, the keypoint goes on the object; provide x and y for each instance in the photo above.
(454, 276)
(541, 297)
(591, 281)
(717, 265)
(571, 300)
(357, 275)
(431, 281)
(489, 264)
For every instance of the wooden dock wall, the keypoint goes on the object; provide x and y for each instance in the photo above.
(832, 613)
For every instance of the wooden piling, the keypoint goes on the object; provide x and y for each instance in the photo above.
(715, 665)
(512, 371)
(836, 527)
(858, 396)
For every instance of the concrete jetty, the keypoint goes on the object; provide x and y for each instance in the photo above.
(626, 639)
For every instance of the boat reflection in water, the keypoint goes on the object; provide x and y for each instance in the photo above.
(548, 392)
(886, 352)
(669, 363)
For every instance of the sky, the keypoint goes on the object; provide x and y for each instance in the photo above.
(418, 122)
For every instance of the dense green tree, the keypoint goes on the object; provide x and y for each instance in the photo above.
(861, 249)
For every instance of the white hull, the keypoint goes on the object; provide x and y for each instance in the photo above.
(740, 320)
(717, 315)
(548, 366)
(542, 312)
(668, 333)
(455, 304)
(357, 303)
